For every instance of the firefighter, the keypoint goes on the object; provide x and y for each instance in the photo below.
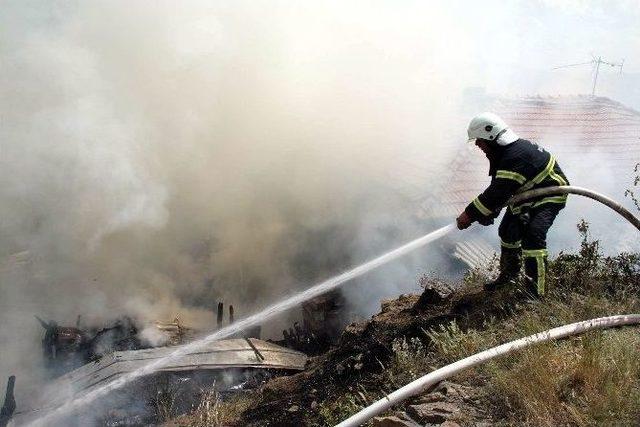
(515, 165)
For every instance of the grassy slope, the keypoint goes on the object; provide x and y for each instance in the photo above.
(589, 380)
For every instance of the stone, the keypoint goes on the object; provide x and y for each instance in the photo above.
(431, 397)
(434, 412)
(293, 408)
(454, 390)
(393, 421)
(385, 304)
(435, 293)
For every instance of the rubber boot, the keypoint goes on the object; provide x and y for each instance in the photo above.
(510, 263)
(535, 269)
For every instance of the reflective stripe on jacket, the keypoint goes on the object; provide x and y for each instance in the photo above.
(519, 166)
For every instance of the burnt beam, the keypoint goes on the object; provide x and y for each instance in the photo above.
(9, 403)
(255, 350)
(220, 314)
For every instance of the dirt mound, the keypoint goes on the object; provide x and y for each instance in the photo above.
(365, 348)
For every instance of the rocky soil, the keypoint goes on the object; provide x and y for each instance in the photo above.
(363, 352)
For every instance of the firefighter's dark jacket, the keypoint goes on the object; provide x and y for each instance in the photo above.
(519, 166)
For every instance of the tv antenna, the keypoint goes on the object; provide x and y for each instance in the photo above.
(596, 62)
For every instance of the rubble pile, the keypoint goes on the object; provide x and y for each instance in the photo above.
(448, 405)
(79, 359)
(66, 348)
(323, 320)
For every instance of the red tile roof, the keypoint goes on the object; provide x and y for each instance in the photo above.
(565, 125)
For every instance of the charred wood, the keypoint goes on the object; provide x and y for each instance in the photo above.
(9, 405)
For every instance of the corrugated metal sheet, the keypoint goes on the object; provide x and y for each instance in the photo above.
(218, 355)
(474, 252)
(234, 353)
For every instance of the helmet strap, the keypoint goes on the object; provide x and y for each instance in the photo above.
(500, 134)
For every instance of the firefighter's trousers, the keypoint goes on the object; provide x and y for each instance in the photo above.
(527, 228)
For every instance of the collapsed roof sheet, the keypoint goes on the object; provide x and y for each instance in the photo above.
(234, 353)
(218, 355)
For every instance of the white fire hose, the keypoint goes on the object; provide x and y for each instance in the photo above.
(569, 189)
(423, 383)
(438, 375)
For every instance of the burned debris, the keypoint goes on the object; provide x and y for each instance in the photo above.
(220, 316)
(228, 366)
(9, 405)
(323, 319)
(325, 316)
(259, 355)
(64, 348)
(67, 347)
(252, 332)
(175, 332)
(80, 359)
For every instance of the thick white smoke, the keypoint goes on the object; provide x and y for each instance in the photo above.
(157, 158)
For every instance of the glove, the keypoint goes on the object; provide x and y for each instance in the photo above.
(463, 221)
(486, 221)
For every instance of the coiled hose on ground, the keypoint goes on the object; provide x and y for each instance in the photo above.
(438, 375)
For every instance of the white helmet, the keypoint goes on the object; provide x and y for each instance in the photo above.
(492, 128)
